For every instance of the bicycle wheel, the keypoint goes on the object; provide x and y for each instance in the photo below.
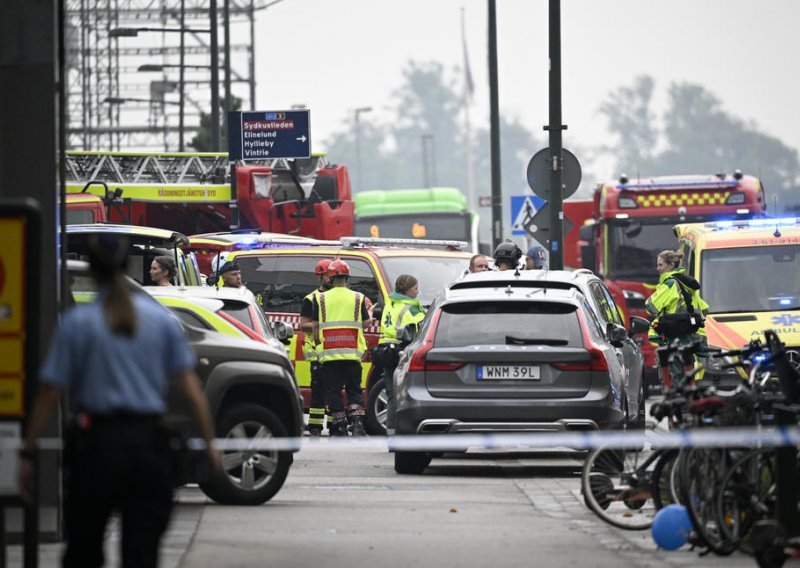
(617, 486)
(702, 471)
(746, 496)
(663, 487)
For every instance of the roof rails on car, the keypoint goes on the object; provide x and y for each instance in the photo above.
(384, 242)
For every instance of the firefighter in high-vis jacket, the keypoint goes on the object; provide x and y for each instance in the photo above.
(402, 309)
(677, 294)
(316, 411)
(339, 319)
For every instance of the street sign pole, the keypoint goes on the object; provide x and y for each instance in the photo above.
(494, 129)
(555, 127)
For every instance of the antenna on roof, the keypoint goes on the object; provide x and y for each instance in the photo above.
(777, 232)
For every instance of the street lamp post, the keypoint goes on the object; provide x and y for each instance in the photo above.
(214, 78)
(358, 112)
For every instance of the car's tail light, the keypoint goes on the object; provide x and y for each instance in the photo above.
(419, 358)
(597, 361)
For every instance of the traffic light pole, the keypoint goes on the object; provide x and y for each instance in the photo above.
(554, 128)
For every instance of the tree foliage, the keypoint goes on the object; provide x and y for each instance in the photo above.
(429, 103)
(698, 136)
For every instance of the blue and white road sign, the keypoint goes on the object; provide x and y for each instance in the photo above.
(258, 135)
(523, 208)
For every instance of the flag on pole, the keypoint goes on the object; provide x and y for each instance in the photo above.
(469, 85)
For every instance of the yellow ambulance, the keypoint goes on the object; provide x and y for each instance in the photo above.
(749, 273)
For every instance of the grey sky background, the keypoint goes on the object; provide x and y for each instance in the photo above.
(337, 55)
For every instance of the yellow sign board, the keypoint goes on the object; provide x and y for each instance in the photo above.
(12, 315)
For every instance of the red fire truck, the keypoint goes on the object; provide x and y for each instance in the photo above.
(192, 192)
(632, 220)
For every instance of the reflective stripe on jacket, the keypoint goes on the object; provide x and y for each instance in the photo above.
(340, 326)
(310, 348)
(399, 313)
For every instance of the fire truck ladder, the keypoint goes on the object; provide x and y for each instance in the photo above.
(171, 168)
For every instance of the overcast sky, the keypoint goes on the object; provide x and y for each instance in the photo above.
(337, 55)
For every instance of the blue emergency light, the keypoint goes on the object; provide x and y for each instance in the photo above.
(755, 223)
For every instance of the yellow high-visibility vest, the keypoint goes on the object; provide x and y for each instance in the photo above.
(340, 326)
(396, 316)
(310, 348)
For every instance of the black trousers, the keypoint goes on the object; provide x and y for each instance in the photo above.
(338, 375)
(119, 464)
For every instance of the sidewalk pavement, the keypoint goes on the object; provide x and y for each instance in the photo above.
(186, 516)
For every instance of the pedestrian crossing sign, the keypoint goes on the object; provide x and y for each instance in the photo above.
(523, 208)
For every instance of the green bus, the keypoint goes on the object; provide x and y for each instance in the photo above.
(435, 213)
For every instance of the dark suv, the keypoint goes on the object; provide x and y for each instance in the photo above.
(253, 395)
(507, 359)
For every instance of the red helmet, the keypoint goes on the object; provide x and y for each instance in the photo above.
(338, 268)
(322, 267)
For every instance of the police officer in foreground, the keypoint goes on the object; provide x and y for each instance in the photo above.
(114, 358)
(507, 255)
(402, 309)
(311, 350)
(338, 325)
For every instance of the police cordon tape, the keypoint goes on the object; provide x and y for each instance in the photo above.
(744, 437)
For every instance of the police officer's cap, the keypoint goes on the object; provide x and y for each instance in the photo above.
(228, 267)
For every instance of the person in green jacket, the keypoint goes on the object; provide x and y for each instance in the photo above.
(402, 309)
(670, 297)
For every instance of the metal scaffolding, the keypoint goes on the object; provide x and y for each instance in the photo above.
(115, 104)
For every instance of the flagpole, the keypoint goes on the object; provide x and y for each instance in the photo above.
(471, 198)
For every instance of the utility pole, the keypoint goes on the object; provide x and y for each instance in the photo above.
(215, 138)
(554, 128)
(494, 127)
(227, 24)
(182, 79)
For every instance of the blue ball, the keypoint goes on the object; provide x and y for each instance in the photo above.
(671, 527)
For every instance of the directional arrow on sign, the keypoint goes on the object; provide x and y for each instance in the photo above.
(301, 138)
(538, 226)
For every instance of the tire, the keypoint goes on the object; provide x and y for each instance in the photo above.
(663, 489)
(701, 472)
(616, 486)
(411, 462)
(250, 477)
(376, 409)
(746, 497)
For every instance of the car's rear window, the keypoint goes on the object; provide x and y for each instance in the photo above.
(239, 311)
(508, 323)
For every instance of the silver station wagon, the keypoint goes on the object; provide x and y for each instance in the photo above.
(509, 357)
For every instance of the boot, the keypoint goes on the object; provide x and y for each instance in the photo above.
(339, 429)
(315, 431)
(358, 426)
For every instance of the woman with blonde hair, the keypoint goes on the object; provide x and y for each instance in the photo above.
(675, 308)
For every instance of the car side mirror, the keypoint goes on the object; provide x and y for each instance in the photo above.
(283, 332)
(638, 325)
(616, 334)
